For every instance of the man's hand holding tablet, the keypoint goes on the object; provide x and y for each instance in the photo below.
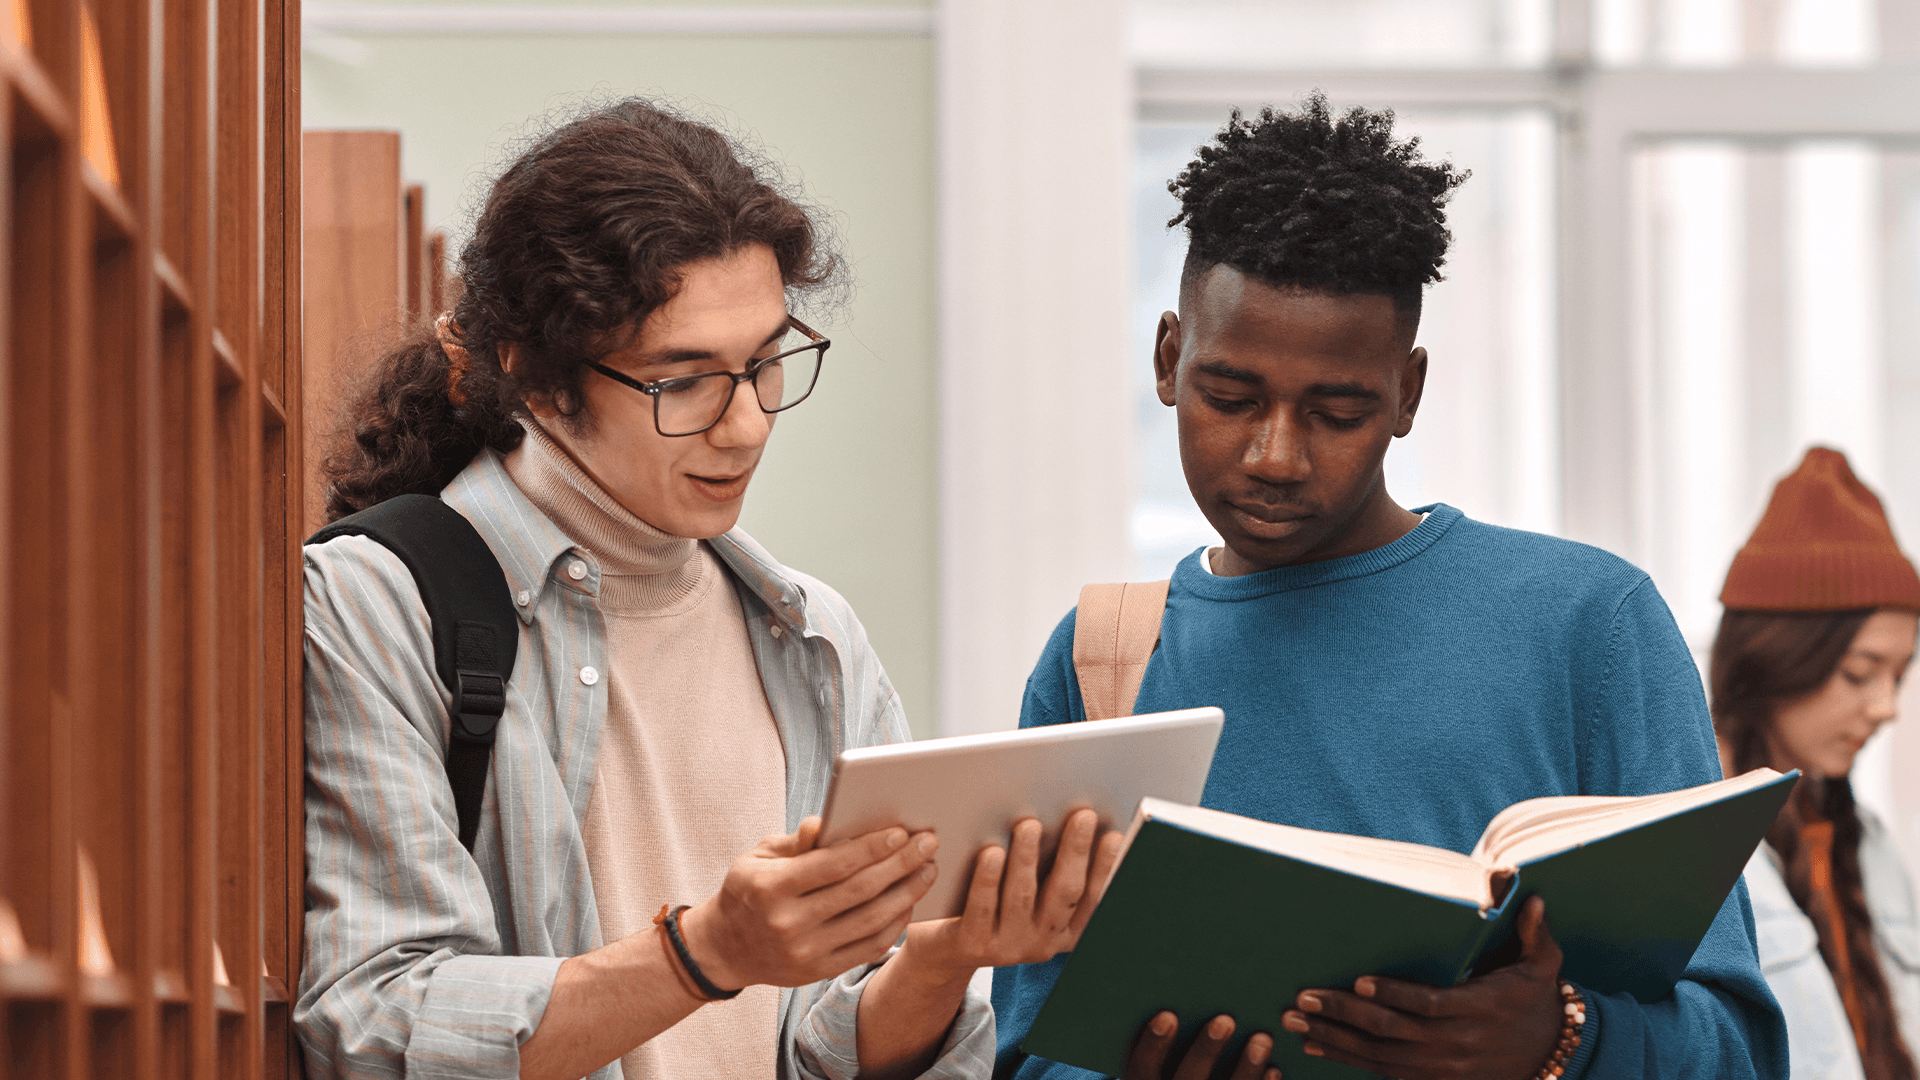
(1001, 808)
(1011, 917)
(790, 912)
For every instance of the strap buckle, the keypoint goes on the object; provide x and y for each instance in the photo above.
(479, 699)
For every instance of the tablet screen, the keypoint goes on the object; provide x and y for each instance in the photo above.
(971, 789)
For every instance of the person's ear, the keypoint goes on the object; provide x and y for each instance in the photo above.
(1413, 383)
(540, 405)
(1166, 355)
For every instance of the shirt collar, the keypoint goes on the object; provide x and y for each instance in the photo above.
(522, 538)
(767, 579)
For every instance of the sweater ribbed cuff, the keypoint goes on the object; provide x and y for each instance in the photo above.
(1589, 1037)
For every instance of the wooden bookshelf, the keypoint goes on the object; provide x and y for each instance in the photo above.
(150, 746)
(374, 273)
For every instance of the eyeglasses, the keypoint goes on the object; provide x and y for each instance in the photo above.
(691, 404)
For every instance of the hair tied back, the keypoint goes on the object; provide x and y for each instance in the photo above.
(458, 361)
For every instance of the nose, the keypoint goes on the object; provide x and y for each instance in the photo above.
(744, 425)
(1883, 702)
(1277, 453)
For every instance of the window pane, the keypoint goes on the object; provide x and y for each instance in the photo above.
(1823, 33)
(1761, 284)
(1339, 33)
(1723, 33)
(1692, 232)
(1833, 247)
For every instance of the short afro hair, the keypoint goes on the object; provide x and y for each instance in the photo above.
(1310, 201)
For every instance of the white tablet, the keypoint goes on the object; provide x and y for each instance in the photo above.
(971, 789)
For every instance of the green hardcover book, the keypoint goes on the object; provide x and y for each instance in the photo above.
(1212, 913)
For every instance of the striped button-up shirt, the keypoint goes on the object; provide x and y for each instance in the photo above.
(425, 961)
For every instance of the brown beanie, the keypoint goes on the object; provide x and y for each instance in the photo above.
(1824, 544)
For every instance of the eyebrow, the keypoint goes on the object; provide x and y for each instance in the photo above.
(683, 356)
(1228, 371)
(1343, 390)
(1352, 390)
(1874, 657)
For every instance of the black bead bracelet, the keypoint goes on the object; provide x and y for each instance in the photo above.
(671, 924)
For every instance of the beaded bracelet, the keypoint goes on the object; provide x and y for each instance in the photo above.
(669, 924)
(1576, 1018)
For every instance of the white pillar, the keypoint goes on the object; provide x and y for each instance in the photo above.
(1035, 433)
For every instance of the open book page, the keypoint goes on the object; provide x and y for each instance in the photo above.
(1536, 828)
(1434, 871)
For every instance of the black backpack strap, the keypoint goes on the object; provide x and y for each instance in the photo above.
(475, 630)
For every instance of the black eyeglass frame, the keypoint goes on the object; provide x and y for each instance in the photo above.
(653, 388)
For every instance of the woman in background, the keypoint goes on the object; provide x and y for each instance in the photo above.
(1818, 633)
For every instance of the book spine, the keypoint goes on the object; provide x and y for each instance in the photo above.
(1494, 941)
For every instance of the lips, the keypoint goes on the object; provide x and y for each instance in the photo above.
(721, 488)
(1272, 515)
(1268, 522)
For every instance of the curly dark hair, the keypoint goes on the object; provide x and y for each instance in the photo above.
(1329, 205)
(579, 240)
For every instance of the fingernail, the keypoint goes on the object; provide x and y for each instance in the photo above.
(1163, 1024)
(1313, 1049)
(1309, 1003)
(927, 872)
(1273, 1074)
(1220, 1027)
(1258, 1049)
(1294, 1022)
(928, 843)
(1365, 986)
(896, 838)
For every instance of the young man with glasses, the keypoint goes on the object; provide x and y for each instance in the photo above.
(1388, 672)
(596, 405)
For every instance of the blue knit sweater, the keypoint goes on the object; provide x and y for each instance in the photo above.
(1414, 691)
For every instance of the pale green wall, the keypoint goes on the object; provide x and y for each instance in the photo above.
(846, 492)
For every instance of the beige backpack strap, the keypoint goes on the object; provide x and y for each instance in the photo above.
(1114, 634)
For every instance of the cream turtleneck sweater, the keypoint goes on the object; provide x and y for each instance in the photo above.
(690, 772)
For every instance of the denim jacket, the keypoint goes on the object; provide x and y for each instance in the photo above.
(1819, 1036)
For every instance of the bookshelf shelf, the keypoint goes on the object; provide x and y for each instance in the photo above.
(229, 374)
(170, 987)
(33, 978)
(275, 413)
(173, 287)
(35, 90)
(115, 218)
(111, 992)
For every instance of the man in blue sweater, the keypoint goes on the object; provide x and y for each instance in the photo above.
(1389, 672)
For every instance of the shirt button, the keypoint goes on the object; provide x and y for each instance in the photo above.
(778, 630)
(576, 570)
(524, 598)
(589, 675)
